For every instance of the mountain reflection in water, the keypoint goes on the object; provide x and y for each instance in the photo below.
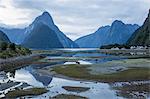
(31, 78)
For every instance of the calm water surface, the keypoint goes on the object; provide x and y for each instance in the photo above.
(32, 78)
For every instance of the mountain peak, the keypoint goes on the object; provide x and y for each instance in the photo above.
(117, 22)
(45, 18)
(45, 13)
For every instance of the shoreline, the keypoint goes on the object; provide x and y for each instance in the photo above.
(61, 76)
(49, 71)
(19, 62)
(54, 74)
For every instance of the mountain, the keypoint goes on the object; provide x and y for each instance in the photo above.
(20, 36)
(118, 33)
(42, 37)
(142, 35)
(15, 35)
(93, 40)
(46, 19)
(3, 37)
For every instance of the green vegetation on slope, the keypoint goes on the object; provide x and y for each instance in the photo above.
(8, 50)
(3, 37)
(114, 46)
(142, 35)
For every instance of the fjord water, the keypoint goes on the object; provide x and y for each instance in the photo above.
(30, 76)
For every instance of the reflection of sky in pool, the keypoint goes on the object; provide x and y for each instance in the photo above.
(97, 90)
(31, 78)
(55, 85)
(80, 62)
(25, 76)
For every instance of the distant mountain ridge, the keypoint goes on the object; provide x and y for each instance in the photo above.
(118, 32)
(142, 35)
(45, 19)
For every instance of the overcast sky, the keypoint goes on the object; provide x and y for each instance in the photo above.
(74, 17)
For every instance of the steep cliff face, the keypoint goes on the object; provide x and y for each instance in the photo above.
(15, 35)
(42, 37)
(19, 36)
(3, 37)
(118, 32)
(47, 20)
(142, 35)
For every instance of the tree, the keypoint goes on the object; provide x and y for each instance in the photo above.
(3, 46)
(12, 47)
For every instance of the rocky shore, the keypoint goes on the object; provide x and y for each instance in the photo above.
(18, 62)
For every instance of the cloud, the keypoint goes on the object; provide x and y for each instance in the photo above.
(2, 6)
(79, 17)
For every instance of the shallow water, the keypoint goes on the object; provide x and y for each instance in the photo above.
(32, 78)
(97, 90)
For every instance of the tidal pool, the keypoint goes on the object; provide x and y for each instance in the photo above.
(55, 85)
(31, 76)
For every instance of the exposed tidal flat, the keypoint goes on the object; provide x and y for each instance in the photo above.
(80, 74)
